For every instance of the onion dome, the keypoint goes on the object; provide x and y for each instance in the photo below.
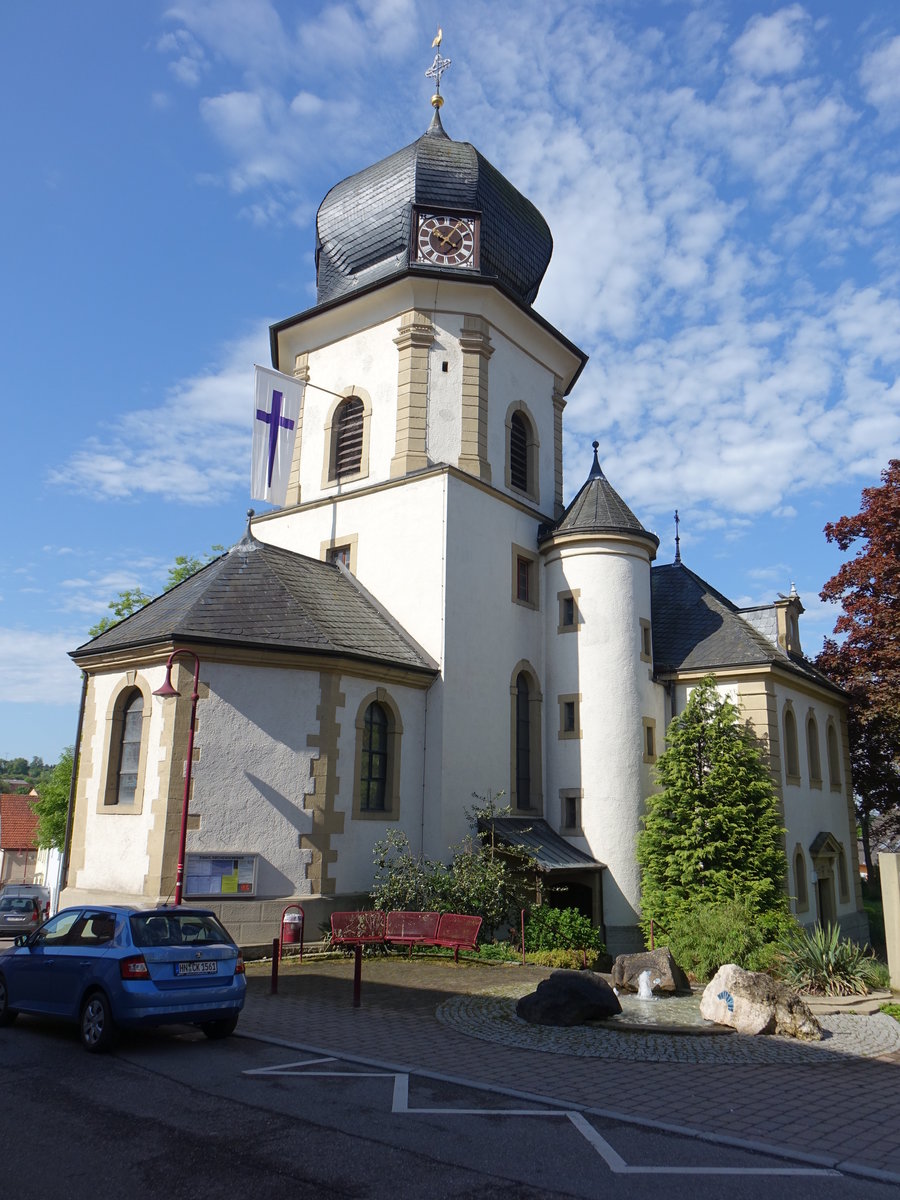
(598, 509)
(366, 225)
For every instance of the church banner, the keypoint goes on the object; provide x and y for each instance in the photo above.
(276, 415)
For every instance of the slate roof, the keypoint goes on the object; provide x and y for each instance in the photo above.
(697, 628)
(549, 848)
(18, 822)
(263, 596)
(597, 508)
(364, 226)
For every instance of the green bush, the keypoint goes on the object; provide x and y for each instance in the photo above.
(705, 937)
(571, 960)
(820, 961)
(892, 1010)
(548, 928)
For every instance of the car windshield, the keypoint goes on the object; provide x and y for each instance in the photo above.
(178, 929)
(16, 904)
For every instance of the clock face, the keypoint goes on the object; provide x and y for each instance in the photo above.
(446, 241)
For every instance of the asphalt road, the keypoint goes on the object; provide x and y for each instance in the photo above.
(170, 1114)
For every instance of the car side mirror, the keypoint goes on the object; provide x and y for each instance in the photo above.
(22, 939)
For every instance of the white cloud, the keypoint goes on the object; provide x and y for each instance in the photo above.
(35, 667)
(192, 447)
(773, 45)
(880, 78)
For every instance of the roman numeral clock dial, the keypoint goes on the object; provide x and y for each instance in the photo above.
(447, 241)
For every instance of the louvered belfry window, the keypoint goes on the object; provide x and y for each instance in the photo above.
(518, 452)
(348, 438)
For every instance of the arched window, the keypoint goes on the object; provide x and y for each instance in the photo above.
(376, 786)
(791, 750)
(126, 757)
(834, 756)
(521, 451)
(523, 741)
(373, 775)
(812, 750)
(801, 888)
(348, 438)
(518, 452)
(843, 881)
(525, 729)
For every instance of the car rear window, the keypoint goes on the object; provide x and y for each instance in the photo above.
(178, 929)
(17, 904)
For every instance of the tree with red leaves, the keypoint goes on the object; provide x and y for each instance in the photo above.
(866, 662)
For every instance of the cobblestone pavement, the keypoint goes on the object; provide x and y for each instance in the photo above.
(836, 1102)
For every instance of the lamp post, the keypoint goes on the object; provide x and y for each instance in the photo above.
(168, 690)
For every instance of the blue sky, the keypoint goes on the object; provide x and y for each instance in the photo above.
(723, 186)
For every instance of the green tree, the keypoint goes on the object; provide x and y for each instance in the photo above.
(132, 599)
(866, 662)
(713, 832)
(53, 806)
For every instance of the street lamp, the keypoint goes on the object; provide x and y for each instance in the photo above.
(168, 690)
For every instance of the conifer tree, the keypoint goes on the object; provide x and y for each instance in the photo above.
(713, 832)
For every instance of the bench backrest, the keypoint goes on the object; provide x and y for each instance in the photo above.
(454, 927)
(364, 926)
(418, 925)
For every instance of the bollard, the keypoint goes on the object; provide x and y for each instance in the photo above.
(276, 954)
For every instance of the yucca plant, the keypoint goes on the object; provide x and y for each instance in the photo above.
(820, 961)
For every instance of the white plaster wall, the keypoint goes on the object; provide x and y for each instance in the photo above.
(254, 770)
(444, 419)
(605, 667)
(486, 636)
(514, 375)
(116, 856)
(367, 360)
(400, 548)
(810, 810)
(353, 870)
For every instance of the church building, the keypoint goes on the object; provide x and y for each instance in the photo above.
(424, 619)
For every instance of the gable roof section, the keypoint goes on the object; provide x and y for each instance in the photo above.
(266, 597)
(696, 628)
(18, 822)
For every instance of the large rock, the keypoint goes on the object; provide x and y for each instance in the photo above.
(569, 998)
(752, 1002)
(665, 973)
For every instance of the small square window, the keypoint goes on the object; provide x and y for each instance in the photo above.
(341, 554)
(568, 610)
(569, 716)
(523, 579)
(649, 740)
(569, 616)
(646, 642)
(570, 811)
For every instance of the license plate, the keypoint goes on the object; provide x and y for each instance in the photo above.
(196, 968)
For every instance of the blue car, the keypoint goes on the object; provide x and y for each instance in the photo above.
(105, 967)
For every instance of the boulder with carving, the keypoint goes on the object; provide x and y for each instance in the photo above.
(752, 1002)
(665, 973)
(569, 998)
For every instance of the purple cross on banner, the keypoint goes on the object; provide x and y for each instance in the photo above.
(275, 421)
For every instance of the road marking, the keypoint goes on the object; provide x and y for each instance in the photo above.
(614, 1161)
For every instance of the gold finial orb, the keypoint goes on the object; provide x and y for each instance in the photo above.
(437, 100)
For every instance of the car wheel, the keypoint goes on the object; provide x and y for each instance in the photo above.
(7, 1014)
(97, 1028)
(220, 1029)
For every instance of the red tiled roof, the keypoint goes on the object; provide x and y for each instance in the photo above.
(18, 822)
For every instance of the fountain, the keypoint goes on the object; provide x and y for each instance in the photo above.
(645, 989)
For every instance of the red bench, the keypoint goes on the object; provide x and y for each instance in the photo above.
(454, 931)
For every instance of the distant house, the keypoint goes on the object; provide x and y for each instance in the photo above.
(18, 828)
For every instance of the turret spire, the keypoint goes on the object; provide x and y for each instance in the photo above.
(596, 469)
(677, 539)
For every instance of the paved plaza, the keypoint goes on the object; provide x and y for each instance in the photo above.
(835, 1103)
